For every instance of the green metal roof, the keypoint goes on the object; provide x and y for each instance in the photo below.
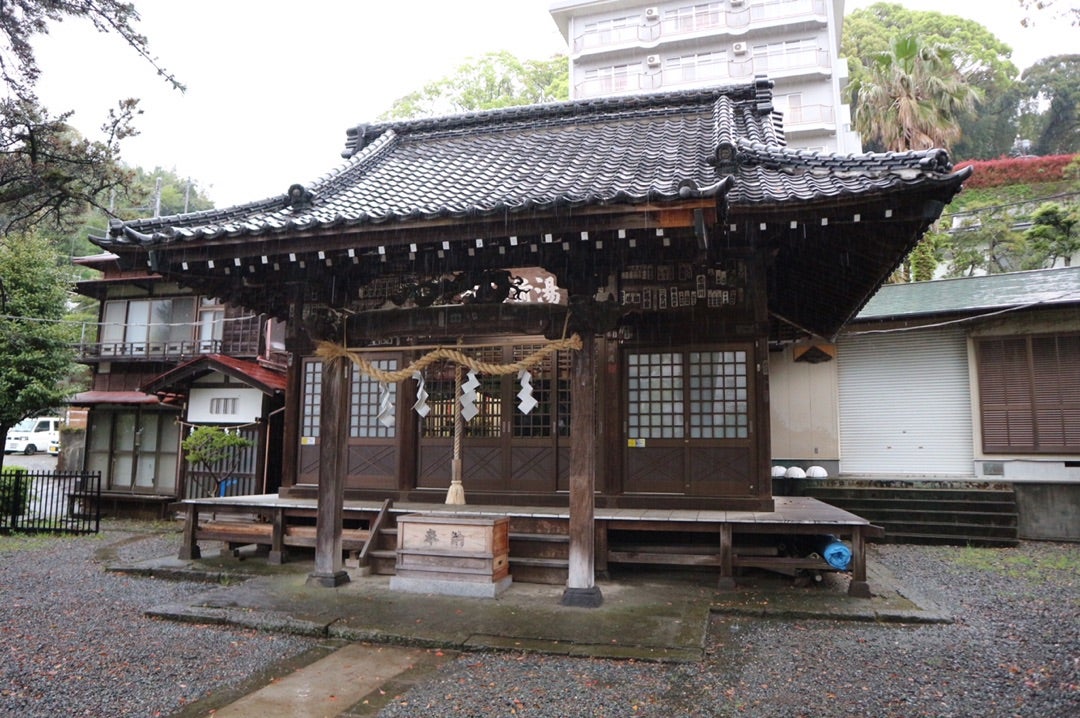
(974, 294)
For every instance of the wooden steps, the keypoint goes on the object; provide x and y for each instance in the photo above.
(290, 528)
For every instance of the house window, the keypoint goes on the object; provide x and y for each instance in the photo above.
(1029, 393)
(788, 55)
(702, 66)
(773, 9)
(719, 395)
(656, 385)
(224, 405)
(608, 79)
(611, 30)
(550, 381)
(689, 18)
(443, 398)
(211, 325)
(366, 403)
(147, 327)
(275, 336)
(696, 395)
(312, 406)
(134, 450)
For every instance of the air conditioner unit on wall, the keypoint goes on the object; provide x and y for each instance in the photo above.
(653, 61)
(739, 48)
(736, 3)
(652, 13)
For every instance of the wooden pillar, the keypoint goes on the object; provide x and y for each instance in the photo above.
(333, 456)
(761, 486)
(581, 588)
(297, 346)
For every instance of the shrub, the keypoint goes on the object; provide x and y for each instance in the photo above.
(1017, 170)
(14, 491)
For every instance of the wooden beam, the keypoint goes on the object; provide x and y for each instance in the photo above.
(600, 218)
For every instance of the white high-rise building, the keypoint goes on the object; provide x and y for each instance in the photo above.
(619, 47)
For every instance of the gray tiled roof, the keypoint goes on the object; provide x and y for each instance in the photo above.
(628, 150)
(974, 294)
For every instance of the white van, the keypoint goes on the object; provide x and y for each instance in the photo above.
(32, 435)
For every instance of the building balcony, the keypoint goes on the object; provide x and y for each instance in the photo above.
(162, 352)
(803, 63)
(701, 23)
(809, 119)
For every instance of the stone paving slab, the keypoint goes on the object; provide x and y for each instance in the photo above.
(645, 615)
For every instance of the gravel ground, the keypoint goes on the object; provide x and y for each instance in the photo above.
(74, 641)
(1014, 650)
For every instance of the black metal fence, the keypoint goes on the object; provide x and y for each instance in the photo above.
(50, 501)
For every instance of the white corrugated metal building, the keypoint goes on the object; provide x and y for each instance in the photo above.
(964, 379)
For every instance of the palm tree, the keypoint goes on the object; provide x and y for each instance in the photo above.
(913, 98)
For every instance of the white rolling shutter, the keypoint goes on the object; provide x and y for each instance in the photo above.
(905, 404)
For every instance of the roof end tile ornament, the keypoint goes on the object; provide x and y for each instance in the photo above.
(299, 198)
(763, 94)
(726, 159)
(355, 140)
(118, 229)
(936, 160)
(689, 189)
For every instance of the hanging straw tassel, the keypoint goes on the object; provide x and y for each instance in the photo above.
(456, 493)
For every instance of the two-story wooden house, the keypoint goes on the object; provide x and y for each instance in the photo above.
(157, 346)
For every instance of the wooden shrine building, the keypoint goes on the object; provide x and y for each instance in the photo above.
(637, 254)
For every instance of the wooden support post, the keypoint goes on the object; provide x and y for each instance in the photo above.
(189, 549)
(727, 570)
(333, 458)
(581, 588)
(600, 549)
(277, 553)
(859, 587)
(298, 345)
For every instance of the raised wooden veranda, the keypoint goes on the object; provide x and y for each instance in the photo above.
(539, 536)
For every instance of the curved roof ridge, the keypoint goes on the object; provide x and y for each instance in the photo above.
(752, 153)
(551, 112)
(369, 154)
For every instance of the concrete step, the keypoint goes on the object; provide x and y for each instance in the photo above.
(960, 514)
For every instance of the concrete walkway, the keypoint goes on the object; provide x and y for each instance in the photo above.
(336, 685)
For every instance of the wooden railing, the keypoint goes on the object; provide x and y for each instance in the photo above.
(163, 351)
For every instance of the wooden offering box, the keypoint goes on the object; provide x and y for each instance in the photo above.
(452, 554)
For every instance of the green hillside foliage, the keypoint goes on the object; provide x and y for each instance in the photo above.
(1013, 214)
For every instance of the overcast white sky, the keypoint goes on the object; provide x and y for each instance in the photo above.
(273, 85)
